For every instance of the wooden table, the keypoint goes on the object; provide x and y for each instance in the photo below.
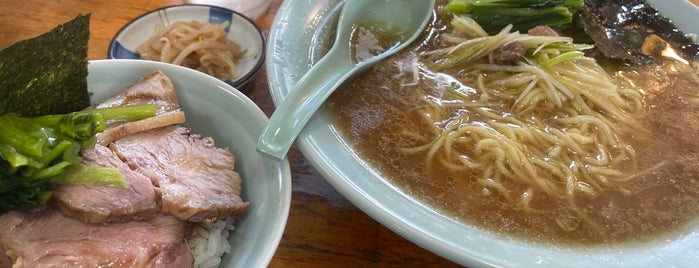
(323, 229)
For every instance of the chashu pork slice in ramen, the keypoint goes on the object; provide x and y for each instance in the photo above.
(195, 179)
(45, 237)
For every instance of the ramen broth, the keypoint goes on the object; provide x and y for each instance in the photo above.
(374, 110)
(369, 39)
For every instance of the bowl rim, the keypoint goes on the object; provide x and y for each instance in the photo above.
(235, 83)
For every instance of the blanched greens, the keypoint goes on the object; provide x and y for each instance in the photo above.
(493, 15)
(38, 153)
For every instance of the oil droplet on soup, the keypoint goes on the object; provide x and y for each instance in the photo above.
(369, 39)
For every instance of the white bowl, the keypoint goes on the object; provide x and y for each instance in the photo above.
(242, 31)
(214, 108)
(291, 50)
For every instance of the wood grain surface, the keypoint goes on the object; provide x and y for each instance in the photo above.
(323, 229)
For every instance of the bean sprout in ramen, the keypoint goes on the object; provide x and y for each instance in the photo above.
(198, 45)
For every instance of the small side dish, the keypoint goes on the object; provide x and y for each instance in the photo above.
(187, 23)
(198, 45)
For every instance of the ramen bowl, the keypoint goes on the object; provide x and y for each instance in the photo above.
(215, 109)
(241, 30)
(290, 52)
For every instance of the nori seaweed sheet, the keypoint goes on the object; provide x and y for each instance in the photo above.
(47, 74)
(620, 27)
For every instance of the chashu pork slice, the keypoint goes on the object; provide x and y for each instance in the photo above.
(94, 203)
(153, 88)
(196, 180)
(45, 237)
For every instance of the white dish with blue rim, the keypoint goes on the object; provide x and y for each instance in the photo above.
(292, 50)
(241, 30)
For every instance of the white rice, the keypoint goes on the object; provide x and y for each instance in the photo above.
(209, 242)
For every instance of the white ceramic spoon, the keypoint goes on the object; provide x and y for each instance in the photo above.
(339, 64)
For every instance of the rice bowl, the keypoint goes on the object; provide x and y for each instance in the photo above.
(266, 183)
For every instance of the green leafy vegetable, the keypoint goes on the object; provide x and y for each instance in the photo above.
(47, 74)
(42, 152)
(493, 15)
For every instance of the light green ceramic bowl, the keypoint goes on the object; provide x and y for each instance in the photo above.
(296, 40)
(214, 108)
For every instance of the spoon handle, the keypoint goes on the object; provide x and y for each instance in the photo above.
(299, 105)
